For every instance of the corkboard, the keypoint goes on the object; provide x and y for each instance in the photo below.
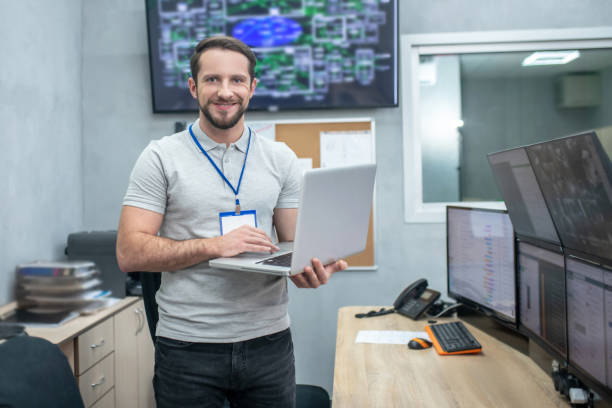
(303, 139)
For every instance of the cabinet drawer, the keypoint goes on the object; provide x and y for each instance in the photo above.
(107, 401)
(96, 381)
(94, 344)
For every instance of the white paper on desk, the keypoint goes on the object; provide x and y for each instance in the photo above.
(388, 336)
(346, 148)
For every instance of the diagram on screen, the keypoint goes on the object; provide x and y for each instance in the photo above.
(307, 50)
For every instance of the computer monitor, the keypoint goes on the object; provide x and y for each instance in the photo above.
(589, 320)
(541, 276)
(480, 261)
(520, 190)
(575, 175)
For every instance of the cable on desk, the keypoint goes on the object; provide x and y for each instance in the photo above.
(451, 307)
(373, 313)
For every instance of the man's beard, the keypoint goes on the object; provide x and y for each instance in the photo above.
(227, 122)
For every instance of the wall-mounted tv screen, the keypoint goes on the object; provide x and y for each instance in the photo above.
(311, 54)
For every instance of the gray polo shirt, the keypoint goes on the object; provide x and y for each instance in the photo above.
(174, 178)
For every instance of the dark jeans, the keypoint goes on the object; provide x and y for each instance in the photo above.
(253, 373)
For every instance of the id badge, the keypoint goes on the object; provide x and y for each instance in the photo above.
(229, 221)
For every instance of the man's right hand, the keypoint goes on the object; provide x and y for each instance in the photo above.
(244, 239)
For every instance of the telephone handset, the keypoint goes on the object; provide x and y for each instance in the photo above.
(415, 299)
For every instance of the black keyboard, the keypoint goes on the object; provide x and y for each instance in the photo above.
(453, 338)
(281, 260)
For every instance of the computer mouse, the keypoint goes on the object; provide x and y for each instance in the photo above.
(419, 343)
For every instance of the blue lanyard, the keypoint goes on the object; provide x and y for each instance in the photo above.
(235, 190)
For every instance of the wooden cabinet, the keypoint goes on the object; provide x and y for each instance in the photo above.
(107, 401)
(93, 345)
(134, 359)
(97, 380)
(94, 361)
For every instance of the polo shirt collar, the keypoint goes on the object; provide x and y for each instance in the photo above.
(209, 144)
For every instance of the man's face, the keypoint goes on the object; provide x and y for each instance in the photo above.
(223, 88)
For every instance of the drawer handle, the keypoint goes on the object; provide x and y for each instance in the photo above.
(94, 346)
(100, 382)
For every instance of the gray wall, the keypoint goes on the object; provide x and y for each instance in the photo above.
(40, 132)
(117, 123)
(603, 115)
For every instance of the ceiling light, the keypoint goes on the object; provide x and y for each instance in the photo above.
(550, 58)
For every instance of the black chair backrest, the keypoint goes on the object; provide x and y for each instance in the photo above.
(311, 396)
(150, 281)
(35, 373)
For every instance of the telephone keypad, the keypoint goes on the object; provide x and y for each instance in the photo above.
(414, 307)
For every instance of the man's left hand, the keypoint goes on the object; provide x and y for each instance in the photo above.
(317, 274)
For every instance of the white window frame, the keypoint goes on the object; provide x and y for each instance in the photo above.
(415, 45)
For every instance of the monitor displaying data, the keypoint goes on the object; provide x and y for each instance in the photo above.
(541, 275)
(589, 319)
(311, 54)
(522, 195)
(576, 180)
(481, 267)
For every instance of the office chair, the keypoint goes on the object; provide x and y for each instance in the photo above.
(35, 373)
(306, 396)
(150, 282)
(311, 396)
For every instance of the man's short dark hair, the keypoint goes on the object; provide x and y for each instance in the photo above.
(224, 43)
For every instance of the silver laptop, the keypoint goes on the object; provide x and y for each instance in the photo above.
(332, 223)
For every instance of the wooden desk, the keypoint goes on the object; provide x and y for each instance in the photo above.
(72, 328)
(386, 375)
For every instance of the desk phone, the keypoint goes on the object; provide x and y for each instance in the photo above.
(415, 299)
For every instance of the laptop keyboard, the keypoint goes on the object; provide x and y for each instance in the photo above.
(281, 260)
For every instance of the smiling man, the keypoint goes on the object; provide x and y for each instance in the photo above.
(221, 334)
